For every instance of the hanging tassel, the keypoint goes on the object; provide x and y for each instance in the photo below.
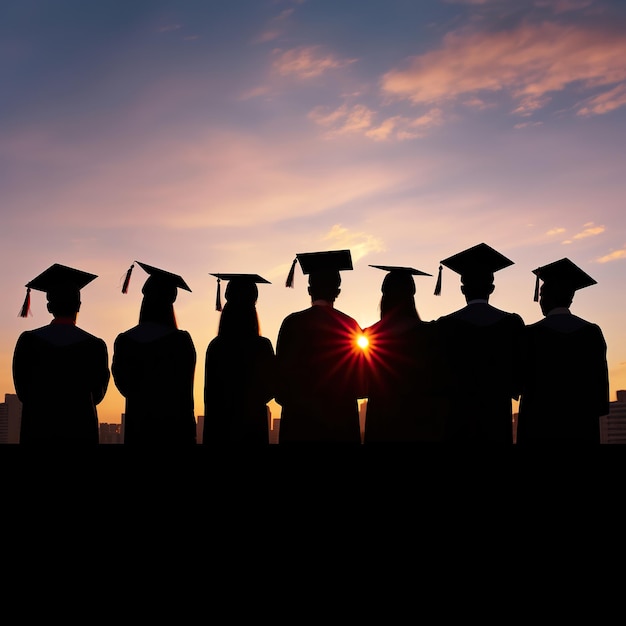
(218, 299)
(438, 283)
(536, 296)
(25, 310)
(127, 279)
(289, 281)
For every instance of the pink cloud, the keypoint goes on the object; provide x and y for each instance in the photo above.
(613, 256)
(605, 102)
(361, 119)
(528, 62)
(307, 62)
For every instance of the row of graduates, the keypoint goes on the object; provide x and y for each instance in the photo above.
(448, 380)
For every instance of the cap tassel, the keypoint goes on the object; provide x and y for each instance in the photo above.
(25, 310)
(438, 283)
(218, 299)
(289, 281)
(127, 279)
(536, 296)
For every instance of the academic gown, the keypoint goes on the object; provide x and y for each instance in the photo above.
(566, 386)
(153, 367)
(239, 381)
(482, 346)
(406, 380)
(61, 373)
(320, 377)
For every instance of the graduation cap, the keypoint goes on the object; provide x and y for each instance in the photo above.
(239, 286)
(480, 260)
(313, 262)
(562, 272)
(399, 277)
(401, 270)
(163, 276)
(57, 276)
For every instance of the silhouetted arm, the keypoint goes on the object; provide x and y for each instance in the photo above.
(101, 372)
(22, 371)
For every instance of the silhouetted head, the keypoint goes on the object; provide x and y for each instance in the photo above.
(477, 285)
(64, 301)
(553, 296)
(324, 285)
(398, 291)
(157, 305)
(398, 295)
(239, 318)
(159, 289)
(398, 284)
(241, 291)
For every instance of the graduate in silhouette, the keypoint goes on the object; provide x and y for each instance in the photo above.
(320, 365)
(240, 368)
(153, 366)
(61, 372)
(405, 367)
(566, 384)
(483, 351)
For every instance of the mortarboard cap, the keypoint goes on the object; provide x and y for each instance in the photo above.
(402, 270)
(242, 283)
(167, 277)
(329, 261)
(477, 260)
(56, 276)
(399, 279)
(563, 272)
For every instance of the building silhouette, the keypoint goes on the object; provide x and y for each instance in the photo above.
(613, 425)
(110, 433)
(10, 418)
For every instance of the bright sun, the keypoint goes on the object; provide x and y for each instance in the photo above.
(362, 342)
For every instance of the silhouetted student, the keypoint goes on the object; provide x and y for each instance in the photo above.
(61, 372)
(320, 365)
(483, 348)
(405, 367)
(153, 367)
(239, 375)
(566, 384)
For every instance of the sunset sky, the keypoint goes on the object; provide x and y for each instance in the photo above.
(205, 137)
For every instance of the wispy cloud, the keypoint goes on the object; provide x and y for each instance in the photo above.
(307, 62)
(615, 255)
(605, 102)
(361, 119)
(555, 231)
(589, 230)
(344, 119)
(255, 92)
(528, 63)
(275, 28)
(522, 125)
(360, 244)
